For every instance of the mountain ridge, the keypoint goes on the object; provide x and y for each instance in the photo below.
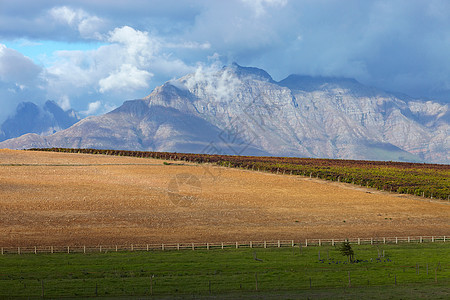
(242, 111)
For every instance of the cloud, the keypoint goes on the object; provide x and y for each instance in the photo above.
(218, 82)
(189, 45)
(64, 102)
(16, 68)
(20, 80)
(87, 25)
(67, 15)
(93, 107)
(120, 69)
(139, 47)
(127, 78)
(259, 6)
(396, 45)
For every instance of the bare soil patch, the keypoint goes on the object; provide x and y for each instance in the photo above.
(78, 199)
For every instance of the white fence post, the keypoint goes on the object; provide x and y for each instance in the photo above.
(278, 243)
(306, 243)
(359, 241)
(332, 242)
(265, 244)
(320, 244)
(251, 245)
(384, 240)
(237, 245)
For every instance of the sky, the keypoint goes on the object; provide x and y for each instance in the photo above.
(93, 55)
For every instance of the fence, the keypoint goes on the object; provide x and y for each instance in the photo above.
(224, 245)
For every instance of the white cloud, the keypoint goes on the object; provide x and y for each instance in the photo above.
(219, 83)
(129, 36)
(138, 47)
(128, 77)
(64, 102)
(93, 107)
(123, 68)
(189, 45)
(20, 80)
(17, 68)
(259, 6)
(87, 25)
(66, 14)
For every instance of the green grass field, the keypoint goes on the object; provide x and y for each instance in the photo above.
(408, 271)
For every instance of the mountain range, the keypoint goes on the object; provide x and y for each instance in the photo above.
(243, 111)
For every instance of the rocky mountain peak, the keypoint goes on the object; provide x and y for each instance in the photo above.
(249, 72)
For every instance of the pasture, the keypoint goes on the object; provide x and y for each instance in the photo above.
(407, 271)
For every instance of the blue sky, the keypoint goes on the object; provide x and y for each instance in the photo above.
(41, 51)
(93, 55)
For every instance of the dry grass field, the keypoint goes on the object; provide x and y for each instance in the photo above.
(78, 199)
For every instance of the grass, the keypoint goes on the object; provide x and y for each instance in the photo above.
(282, 273)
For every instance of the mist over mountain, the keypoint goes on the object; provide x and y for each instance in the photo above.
(30, 118)
(243, 111)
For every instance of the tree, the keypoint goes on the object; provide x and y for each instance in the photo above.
(346, 250)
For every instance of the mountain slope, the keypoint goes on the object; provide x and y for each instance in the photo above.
(135, 125)
(239, 110)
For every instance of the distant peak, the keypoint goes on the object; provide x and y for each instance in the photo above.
(51, 102)
(311, 83)
(52, 105)
(26, 106)
(250, 72)
(323, 79)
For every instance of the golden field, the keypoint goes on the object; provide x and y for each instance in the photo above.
(79, 199)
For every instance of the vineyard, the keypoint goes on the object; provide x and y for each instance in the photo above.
(426, 180)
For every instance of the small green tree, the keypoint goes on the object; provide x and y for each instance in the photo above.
(346, 250)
